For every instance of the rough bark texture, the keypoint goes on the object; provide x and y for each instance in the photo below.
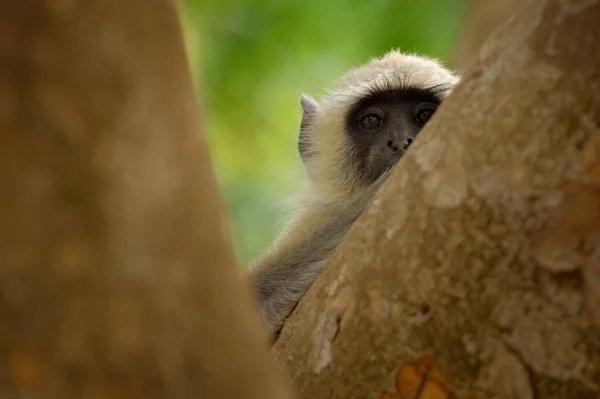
(116, 278)
(475, 269)
(482, 19)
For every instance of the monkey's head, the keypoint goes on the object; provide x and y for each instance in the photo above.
(364, 125)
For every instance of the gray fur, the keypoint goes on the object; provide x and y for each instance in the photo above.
(280, 286)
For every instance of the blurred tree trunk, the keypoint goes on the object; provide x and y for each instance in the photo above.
(116, 276)
(483, 18)
(476, 268)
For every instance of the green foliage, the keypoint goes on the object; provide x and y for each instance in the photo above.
(253, 59)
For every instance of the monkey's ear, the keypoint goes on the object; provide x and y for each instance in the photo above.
(309, 110)
(309, 105)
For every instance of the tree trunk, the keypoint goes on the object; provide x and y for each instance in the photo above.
(482, 19)
(476, 268)
(116, 278)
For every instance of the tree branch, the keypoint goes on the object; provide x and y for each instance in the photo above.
(471, 270)
(481, 21)
(116, 276)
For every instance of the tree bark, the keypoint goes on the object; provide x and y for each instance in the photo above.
(482, 19)
(116, 276)
(475, 270)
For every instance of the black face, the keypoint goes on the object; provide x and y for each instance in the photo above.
(383, 125)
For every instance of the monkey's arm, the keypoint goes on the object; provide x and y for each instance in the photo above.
(283, 275)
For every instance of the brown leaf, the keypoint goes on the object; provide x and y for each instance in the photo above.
(422, 379)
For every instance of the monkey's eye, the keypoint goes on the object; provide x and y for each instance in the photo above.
(424, 112)
(371, 121)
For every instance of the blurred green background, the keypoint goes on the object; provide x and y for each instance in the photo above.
(253, 59)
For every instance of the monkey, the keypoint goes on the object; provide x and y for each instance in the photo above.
(348, 142)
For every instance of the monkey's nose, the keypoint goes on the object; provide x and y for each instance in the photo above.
(408, 142)
(392, 146)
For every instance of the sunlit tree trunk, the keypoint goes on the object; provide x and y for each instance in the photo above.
(481, 20)
(116, 276)
(475, 271)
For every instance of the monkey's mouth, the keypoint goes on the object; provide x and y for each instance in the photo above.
(389, 163)
(378, 168)
(388, 169)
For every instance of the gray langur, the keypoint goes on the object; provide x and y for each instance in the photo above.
(348, 142)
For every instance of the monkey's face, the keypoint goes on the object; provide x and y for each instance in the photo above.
(381, 127)
(364, 125)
